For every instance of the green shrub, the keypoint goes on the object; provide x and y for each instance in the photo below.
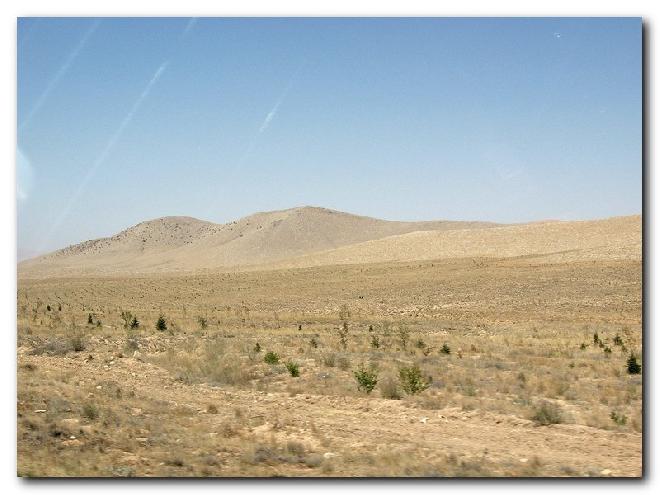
(445, 349)
(127, 318)
(366, 379)
(596, 338)
(633, 367)
(411, 380)
(293, 368)
(271, 358)
(161, 324)
(547, 413)
(404, 334)
(134, 323)
(617, 340)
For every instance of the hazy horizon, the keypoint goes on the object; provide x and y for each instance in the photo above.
(503, 120)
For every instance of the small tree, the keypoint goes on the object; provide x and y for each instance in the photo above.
(634, 368)
(126, 317)
(411, 380)
(366, 379)
(161, 323)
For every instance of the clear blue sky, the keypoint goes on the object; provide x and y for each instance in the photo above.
(510, 120)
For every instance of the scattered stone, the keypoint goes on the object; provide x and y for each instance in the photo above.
(523, 460)
(424, 420)
(71, 422)
(137, 355)
(329, 455)
(39, 410)
(606, 472)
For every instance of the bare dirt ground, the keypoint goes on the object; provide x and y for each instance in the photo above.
(522, 371)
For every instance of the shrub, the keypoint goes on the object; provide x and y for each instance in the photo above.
(161, 324)
(420, 344)
(633, 367)
(375, 341)
(202, 322)
(90, 319)
(607, 350)
(412, 381)
(366, 379)
(127, 317)
(313, 343)
(596, 338)
(257, 348)
(329, 360)
(617, 340)
(547, 413)
(90, 411)
(271, 358)
(583, 346)
(445, 349)
(134, 323)
(343, 363)
(78, 343)
(619, 419)
(344, 313)
(293, 369)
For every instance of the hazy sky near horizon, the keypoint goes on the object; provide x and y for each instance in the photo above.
(509, 120)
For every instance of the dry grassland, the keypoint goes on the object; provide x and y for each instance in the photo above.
(482, 367)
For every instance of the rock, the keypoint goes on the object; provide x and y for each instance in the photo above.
(136, 411)
(39, 410)
(523, 460)
(137, 355)
(329, 455)
(606, 472)
(72, 443)
(70, 422)
(87, 429)
(424, 420)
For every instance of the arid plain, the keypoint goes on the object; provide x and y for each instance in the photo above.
(310, 342)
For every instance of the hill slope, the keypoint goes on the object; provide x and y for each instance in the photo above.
(608, 239)
(184, 243)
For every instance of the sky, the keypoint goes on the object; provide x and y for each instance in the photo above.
(121, 120)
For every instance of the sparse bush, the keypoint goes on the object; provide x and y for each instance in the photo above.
(583, 346)
(161, 323)
(412, 381)
(547, 413)
(344, 313)
(257, 348)
(212, 409)
(375, 341)
(420, 344)
(607, 351)
(313, 343)
(343, 335)
(293, 369)
(389, 389)
(78, 343)
(445, 349)
(596, 338)
(134, 323)
(343, 363)
(617, 340)
(329, 360)
(633, 367)
(271, 358)
(404, 334)
(366, 379)
(202, 322)
(90, 318)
